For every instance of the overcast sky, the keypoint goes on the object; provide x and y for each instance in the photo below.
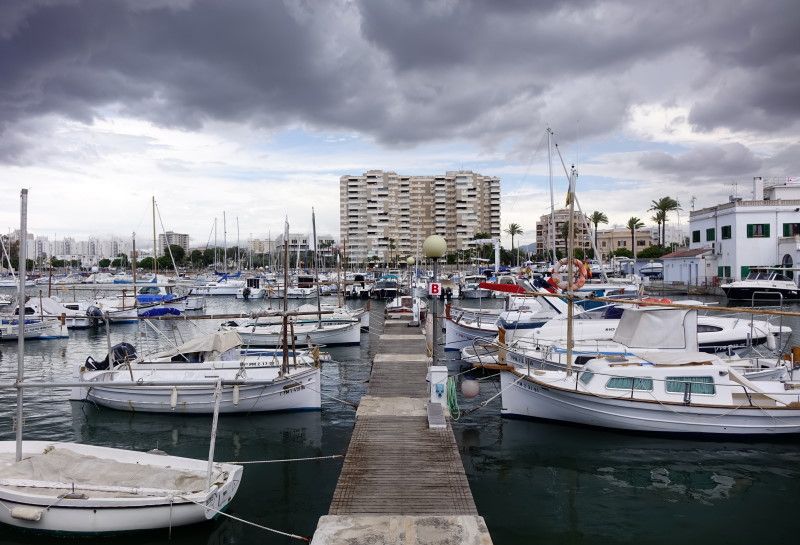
(257, 107)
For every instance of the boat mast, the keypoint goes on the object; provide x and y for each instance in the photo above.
(224, 243)
(238, 254)
(552, 202)
(285, 364)
(215, 244)
(23, 249)
(570, 268)
(316, 272)
(133, 269)
(155, 253)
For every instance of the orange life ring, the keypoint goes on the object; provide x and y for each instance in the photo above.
(559, 280)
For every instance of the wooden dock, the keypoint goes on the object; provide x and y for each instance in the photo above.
(402, 481)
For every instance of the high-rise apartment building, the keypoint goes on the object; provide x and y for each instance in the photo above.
(387, 215)
(544, 241)
(179, 239)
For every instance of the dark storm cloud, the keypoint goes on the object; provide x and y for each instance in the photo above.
(705, 161)
(400, 71)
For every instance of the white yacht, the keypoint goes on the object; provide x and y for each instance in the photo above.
(763, 284)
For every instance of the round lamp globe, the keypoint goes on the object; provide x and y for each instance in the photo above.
(434, 247)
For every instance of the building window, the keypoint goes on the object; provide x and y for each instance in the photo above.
(791, 229)
(726, 232)
(711, 234)
(603, 244)
(758, 230)
(641, 242)
(696, 236)
(724, 272)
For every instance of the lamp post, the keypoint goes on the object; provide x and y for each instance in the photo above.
(434, 247)
(410, 262)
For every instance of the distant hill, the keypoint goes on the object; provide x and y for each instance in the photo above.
(528, 248)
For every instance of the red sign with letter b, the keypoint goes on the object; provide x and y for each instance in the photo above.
(434, 289)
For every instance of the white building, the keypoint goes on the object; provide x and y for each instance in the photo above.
(741, 234)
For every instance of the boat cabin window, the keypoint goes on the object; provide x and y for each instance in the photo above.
(780, 278)
(643, 384)
(586, 377)
(149, 290)
(699, 385)
(72, 306)
(705, 328)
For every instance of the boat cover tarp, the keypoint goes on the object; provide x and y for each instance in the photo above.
(61, 465)
(160, 311)
(506, 288)
(658, 328)
(212, 344)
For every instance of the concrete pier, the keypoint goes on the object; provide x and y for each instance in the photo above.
(402, 482)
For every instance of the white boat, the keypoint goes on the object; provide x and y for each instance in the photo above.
(403, 305)
(691, 392)
(253, 289)
(470, 287)
(217, 356)
(307, 331)
(763, 284)
(73, 315)
(35, 330)
(11, 282)
(336, 313)
(223, 286)
(641, 334)
(5, 300)
(83, 489)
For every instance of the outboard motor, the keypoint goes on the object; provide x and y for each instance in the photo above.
(94, 312)
(122, 353)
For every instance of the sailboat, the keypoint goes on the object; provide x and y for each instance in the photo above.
(63, 487)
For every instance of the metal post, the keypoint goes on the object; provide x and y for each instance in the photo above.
(435, 327)
(23, 251)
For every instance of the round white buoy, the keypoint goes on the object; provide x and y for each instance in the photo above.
(470, 388)
(772, 342)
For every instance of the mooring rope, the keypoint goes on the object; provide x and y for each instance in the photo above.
(243, 521)
(330, 457)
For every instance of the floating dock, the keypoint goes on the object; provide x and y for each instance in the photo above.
(402, 481)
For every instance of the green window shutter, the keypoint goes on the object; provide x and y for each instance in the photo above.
(766, 230)
(745, 271)
(726, 232)
(721, 271)
(710, 235)
(787, 229)
(749, 230)
(695, 236)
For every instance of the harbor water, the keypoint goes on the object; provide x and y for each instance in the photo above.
(534, 482)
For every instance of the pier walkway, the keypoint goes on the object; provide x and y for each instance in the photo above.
(402, 481)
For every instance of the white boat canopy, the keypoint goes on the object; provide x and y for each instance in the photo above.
(212, 345)
(652, 327)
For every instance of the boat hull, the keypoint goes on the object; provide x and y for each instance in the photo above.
(327, 336)
(298, 392)
(458, 335)
(761, 294)
(99, 514)
(526, 398)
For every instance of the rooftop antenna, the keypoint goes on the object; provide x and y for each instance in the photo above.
(692, 200)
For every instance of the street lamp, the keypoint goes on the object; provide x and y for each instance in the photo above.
(434, 247)
(410, 262)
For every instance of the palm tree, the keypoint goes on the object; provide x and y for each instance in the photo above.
(664, 205)
(634, 223)
(596, 218)
(513, 229)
